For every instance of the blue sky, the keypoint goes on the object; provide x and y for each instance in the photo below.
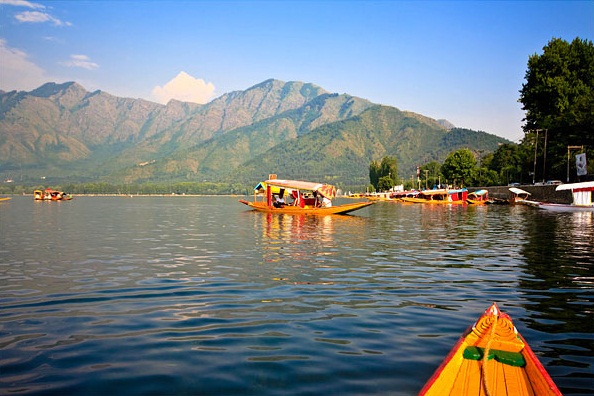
(464, 61)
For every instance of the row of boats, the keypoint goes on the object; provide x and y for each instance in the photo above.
(296, 196)
(437, 196)
(581, 193)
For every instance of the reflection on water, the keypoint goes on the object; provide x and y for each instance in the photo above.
(300, 237)
(201, 296)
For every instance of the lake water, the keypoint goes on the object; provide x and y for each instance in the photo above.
(201, 296)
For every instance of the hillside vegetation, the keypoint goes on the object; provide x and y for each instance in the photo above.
(65, 134)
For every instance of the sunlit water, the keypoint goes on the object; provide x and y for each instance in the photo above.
(201, 296)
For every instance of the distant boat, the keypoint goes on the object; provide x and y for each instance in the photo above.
(51, 195)
(4, 199)
(298, 197)
(379, 196)
(491, 358)
(518, 195)
(439, 196)
(398, 195)
(479, 197)
(582, 199)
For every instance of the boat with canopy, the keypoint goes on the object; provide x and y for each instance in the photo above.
(51, 195)
(518, 196)
(297, 196)
(581, 194)
(439, 196)
(479, 197)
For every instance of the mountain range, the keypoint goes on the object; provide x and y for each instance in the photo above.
(66, 134)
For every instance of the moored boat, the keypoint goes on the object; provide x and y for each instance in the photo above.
(305, 198)
(398, 195)
(479, 197)
(381, 196)
(491, 358)
(439, 196)
(581, 194)
(51, 195)
(582, 199)
(518, 196)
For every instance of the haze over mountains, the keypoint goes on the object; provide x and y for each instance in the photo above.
(66, 134)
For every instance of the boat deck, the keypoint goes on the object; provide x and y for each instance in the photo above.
(510, 367)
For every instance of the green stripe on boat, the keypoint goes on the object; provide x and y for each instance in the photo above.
(510, 358)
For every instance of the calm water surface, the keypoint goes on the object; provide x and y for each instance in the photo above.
(201, 296)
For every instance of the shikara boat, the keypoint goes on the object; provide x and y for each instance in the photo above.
(439, 196)
(51, 195)
(491, 358)
(479, 197)
(582, 198)
(298, 197)
(382, 196)
(398, 195)
(518, 196)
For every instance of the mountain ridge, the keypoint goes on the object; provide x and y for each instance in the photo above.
(64, 132)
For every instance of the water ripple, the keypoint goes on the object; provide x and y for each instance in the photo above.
(200, 296)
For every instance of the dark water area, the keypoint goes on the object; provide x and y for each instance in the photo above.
(201, 296)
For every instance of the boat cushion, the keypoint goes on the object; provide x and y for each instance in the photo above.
(510, 358)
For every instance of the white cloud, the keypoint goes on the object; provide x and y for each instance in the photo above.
(17, 71)
(81, 61)
(40, 17)
(22, 3)
(184, 88)
(33, 16)
(53, 39)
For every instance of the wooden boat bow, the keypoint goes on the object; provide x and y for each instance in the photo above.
(493, 359)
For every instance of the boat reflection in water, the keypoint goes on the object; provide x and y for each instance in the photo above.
(300, 246)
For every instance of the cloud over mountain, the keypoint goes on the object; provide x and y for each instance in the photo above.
(17, 71)
(82, 61)
(184, 88)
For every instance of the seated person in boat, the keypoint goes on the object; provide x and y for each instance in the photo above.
(295, 197)
(279, 201)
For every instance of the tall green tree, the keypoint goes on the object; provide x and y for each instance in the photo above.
(385, 183)
(389, 168)
(558, 97)
(385, 172)
(511, 162)
(459, 166)
(374, 173)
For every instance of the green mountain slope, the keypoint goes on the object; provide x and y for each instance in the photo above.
(66, 134)
(341, 152)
